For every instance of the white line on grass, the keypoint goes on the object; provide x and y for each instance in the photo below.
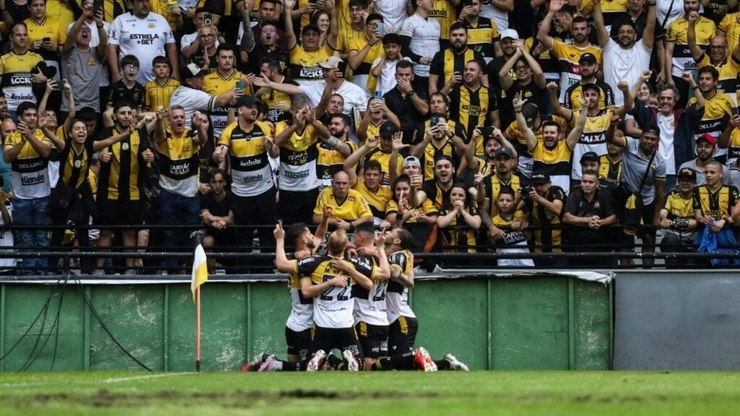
(105, 381)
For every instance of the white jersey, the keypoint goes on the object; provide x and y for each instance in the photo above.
(144, 38)
(355, 98)
(301, 309)
(393, 12)
(192, 100)
(370, 306)
(387, 78)
(624, 65)
(424, 34)
(397, 296)
(499, 16)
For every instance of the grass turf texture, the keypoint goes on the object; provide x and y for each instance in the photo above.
(406, 393)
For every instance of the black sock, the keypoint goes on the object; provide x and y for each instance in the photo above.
(333, 361)
(292, 366)
(442, 365)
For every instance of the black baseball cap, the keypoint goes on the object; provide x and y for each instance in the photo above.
(587, 57)
(539, 178)
(687, 173)
(503, 150)
(590, 157)
(388, 129)
(246, 101)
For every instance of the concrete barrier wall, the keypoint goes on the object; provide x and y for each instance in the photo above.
(525, 322)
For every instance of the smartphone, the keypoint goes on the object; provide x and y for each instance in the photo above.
(380, 27)
(468, 3)
(59, 85)
(486, 131)
(433, 121)
(240, 85)
(97, 5)
(208, 19)
(378, 95)
(734, 113)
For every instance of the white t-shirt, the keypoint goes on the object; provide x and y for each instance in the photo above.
(424, 34)
(667, 126)
(393, 12)
(192, 100)
(624, 65)
(500, 17)
(355, 97)
(144, 38)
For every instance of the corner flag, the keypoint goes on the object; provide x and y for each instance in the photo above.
(200, 269)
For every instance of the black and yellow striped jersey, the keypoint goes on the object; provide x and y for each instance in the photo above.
(330, 161)
(427, 207)
(74, 165)
(471, 109)
(158, 94)
(574, 93)
(458, 236)
(250, 167)
(120, 179)
(397, 296)
(492, 186)
(611, 9)
(436, 194)
(610, 173)
(511, 237)
(568, 57)
(717, 205)
(482, 36)
(446, 15)
(433, 151)
(547, 225)
(178, 162)
(554, 162)
(446, 62)
(516, 137)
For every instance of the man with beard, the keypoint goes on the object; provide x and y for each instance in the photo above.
(217, 216)
(471, 103)
(222, 80)
(483, 34)
(405, 101)
(448, 64)
(278, 103)
(676, 59)
(334, 151)
(727, 66)
(567, 55)
(369, 186)
(551, 155)
(718, 107)
(16, 67)
(705, 147)
(588, 67)
(441, 138)
(436, 190)
(489, 188)
(377, 148)
(625, 59)
(509, 42)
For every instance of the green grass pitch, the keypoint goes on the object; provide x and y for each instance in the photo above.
(392, 393)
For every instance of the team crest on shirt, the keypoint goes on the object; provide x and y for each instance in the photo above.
(124, 146)
(78, 163)
(151, 25)
(350, 198)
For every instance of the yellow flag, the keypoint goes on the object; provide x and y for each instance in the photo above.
(200, 269)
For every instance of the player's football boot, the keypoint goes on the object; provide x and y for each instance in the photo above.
(352, 363)
(315, 363)
(255, 364)
(423, 360)
(455, 364)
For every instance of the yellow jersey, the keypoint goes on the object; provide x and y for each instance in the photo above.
(677, 33)
(353, 207)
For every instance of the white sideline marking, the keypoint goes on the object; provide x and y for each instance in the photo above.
(105, 381)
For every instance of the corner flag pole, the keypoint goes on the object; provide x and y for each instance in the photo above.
(200, 276)
(197, 329)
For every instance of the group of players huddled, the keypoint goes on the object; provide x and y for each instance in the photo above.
(354, 297)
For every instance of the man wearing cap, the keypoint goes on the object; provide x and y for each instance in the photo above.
(588, 67)
(643, 172)
(705, 147)
(567, 55)
(718, 107)
(448, 64)
(248, 145)
(677, 219)
(509, 44)
(483, 33)
(439, 139)
(491, 142)
(305, 58)
(490, 186)
(593, 138)
(544, 203)
(189, 94)
(529, 83)
(378, 148)
(625, 59)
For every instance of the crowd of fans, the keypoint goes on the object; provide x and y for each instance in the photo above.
(505, 126)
